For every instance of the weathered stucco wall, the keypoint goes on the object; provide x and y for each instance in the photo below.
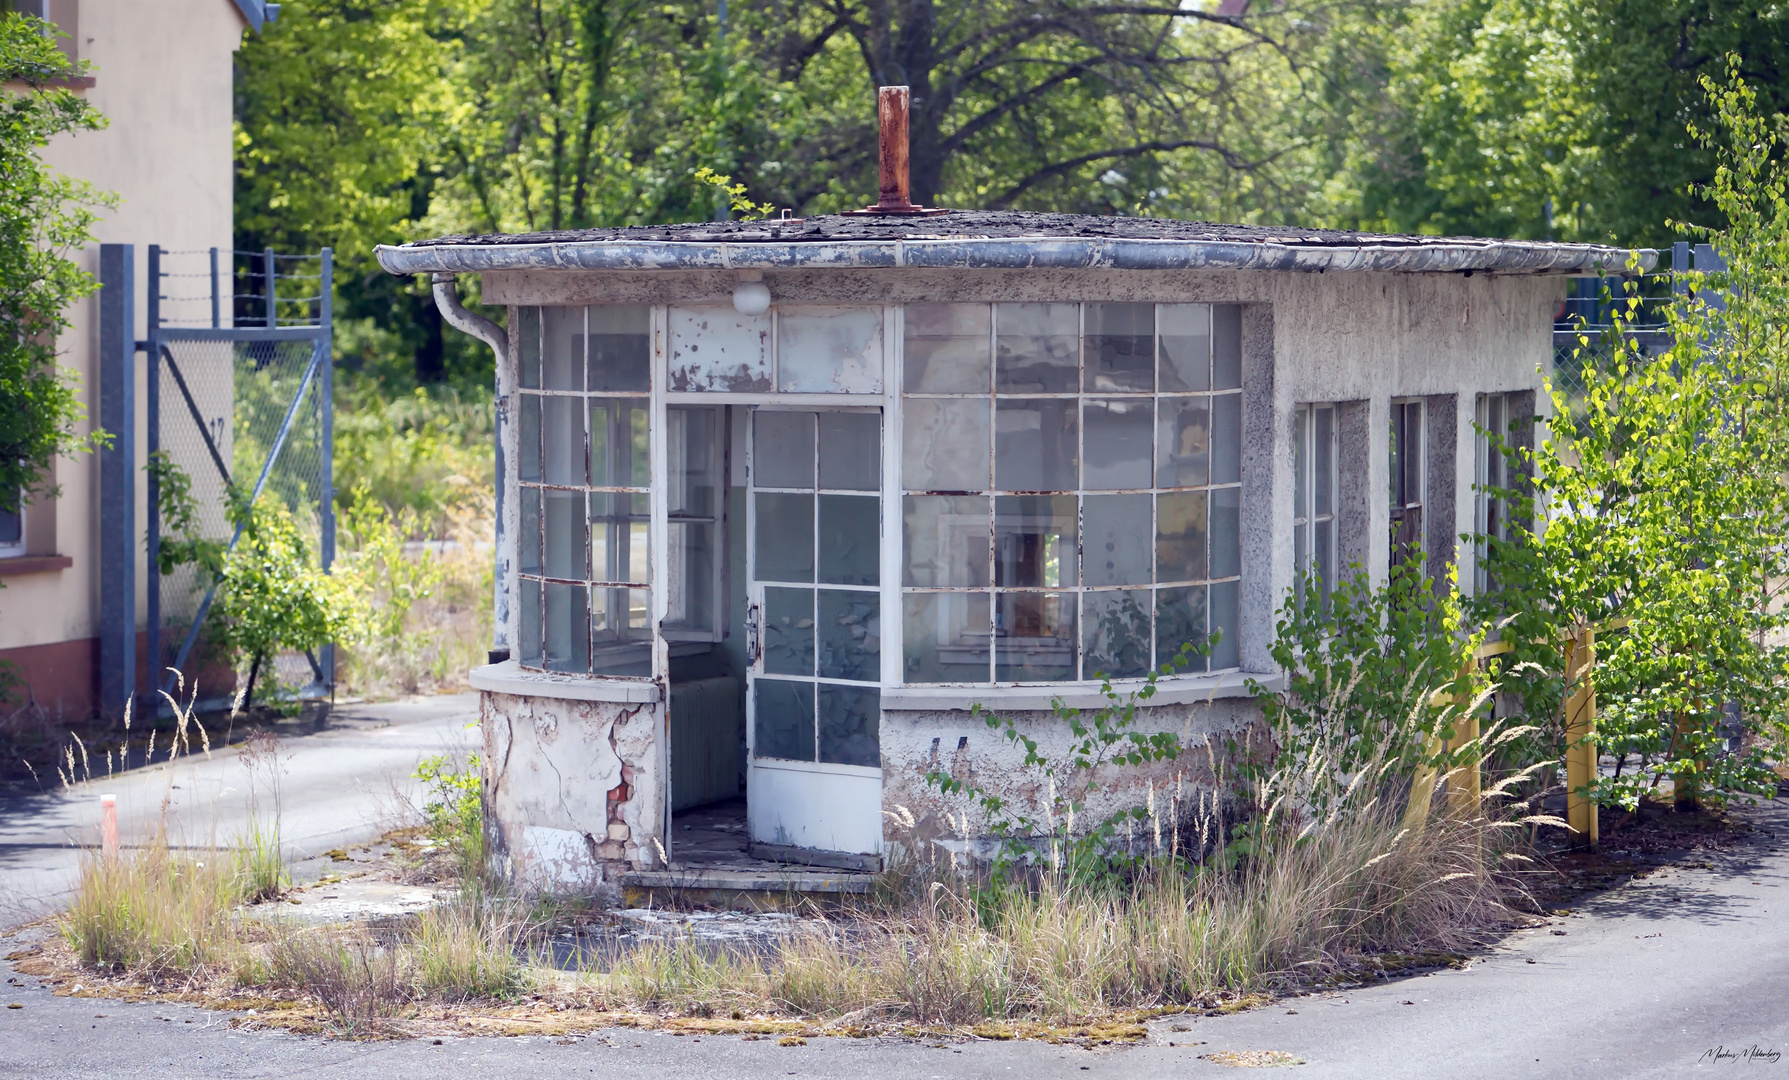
(574, 790)
(964, 746)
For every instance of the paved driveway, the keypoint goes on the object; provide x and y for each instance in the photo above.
(342, 784)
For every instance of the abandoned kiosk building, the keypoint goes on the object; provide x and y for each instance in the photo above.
(779, 501)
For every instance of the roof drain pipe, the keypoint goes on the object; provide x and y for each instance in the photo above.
(447, 301)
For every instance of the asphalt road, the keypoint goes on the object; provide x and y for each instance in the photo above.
(1650, 980)
(341, 784)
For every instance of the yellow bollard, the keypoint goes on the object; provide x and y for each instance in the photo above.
(1580, 737)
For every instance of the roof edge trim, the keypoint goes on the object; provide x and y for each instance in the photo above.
(1441, 256)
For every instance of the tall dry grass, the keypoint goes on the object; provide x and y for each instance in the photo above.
(153, 910)
(1050, 949)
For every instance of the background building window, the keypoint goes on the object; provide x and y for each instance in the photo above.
(12, 530)
(1406, 461)
(1314, 494)
(1072, 478)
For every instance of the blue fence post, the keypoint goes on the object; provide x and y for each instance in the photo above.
(152, 422)
(117, 479)
(326, 402)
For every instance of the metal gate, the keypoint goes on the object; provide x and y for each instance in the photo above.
(245, 407)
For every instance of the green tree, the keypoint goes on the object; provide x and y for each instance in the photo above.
(1666, 506)
(43, 217)
(1500, 109)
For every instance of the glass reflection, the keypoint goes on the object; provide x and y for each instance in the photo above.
(1185, 347)
(789, 631)
(1120, 347)
(947, 348)
(1115, 633)
(620, 347)
(945, 540)
(1183, 447)
(851, 451)
(785, 539)
(944, 444)
(783, 449)
(945, 637)
(1036, 444)
(1117, 534)
(1179, 619)
(1034, 541)
(850, 725)
(850, 635)
(1120, 444)
(1034, 637)
(1180, 536)
(850, 539)
(783, 715)
(1036, 348)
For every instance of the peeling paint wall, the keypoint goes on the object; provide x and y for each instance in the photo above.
(954, 742)
(574, 790)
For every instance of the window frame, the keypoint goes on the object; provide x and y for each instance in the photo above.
(1308, 474)
(15, 549)
(1400, 481)
(1491, 514)
(992, 493)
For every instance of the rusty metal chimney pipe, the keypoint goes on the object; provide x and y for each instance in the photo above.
(891, 120)
(891, 153)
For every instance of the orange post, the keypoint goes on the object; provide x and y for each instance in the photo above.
(108, 825)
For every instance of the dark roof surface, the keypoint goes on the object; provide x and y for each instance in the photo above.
(956, 225)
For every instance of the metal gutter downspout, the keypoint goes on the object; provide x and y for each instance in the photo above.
(447, 301)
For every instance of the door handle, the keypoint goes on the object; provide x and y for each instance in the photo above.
(751, 634)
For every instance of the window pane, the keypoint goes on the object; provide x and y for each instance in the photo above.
(717, 348)
(783, 449)
(1224, 624)
(1186, 347)
(620, 624)
(1324, 459)
(528, 435)
(789, 631)
(1226, 438)
(1116, 534)
(1301, 462)
(1115, 634)
(832, 350)
(785, 537)
(565, 534)
(851, 451)
(528, 625)
(1226, 347)
(618, 538)
(568, 628)
(850, 638)
(1323, 553)
(1183, 446)
(850, 539)
(1301, 554)
(1179, 618)
(1120, 443)
(945, 636)
(784, 720)
(689, 580)
(1036, 444)
(1180, 536)
(528, 543)
(562, 360)
(1034, 637)
(1034, 541)
(1413, 454)
(620, 447)
(563, 440)
(692, 439)
(1226, 532)
(944, 444)
(528, 335)
(1120, 347)
(947, 348)
(850, 725)
(945, 540)
(621, 347)
(1036, 349)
